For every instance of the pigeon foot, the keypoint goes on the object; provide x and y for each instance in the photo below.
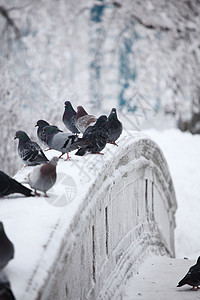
(37, 194)
(61, 155)
(113, 143)
(98, 153)
(68, 157)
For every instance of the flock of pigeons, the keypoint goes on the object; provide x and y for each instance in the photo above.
(96, 133)
(85, 134)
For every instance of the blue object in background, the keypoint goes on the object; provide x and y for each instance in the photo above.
(96, 38)
(97, 12)
(127, 69)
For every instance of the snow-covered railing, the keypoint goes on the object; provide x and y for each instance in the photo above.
(120, 209)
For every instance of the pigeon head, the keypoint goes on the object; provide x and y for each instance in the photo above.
(41, 123)
(80, 112)
(54, 161)
(48, 130)
(113, 114)
(68, 106)
(101, 121)
(69, 111)
(22, 136)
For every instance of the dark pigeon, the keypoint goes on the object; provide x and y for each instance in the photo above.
(41, 124)
(6, 248)
(29, 151)
(69, 117)
(114, 127)
(192, 277)
(83, 120)
(9, 186)
(61, 141)
(5, 289)
(95, 137)
(42, 178)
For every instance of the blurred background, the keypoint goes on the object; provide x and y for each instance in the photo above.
(141, 57)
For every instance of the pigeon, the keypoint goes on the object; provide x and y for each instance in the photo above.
(9, 186)
(5, 289)
(83, 120)
(41, 124)
(29, 151)
(114, 127)
(42, 178)
(95, 137)
(69, 117)
(61, 141)
(192, 277)
(6, 248)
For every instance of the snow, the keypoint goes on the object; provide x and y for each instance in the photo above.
(29, 221)
(181, 150)
(157, 279)
(158, 276)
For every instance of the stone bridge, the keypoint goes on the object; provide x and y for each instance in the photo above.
(122, 211)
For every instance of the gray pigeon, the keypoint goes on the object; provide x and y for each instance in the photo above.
(5, 289)
(42, 178)
(192, 277)
(9, 186)
(69, 117)
(41, 124)
(29, 151)
(114, 127)
(6, 248)
(83, 120)
(61, 141)
(95, 137)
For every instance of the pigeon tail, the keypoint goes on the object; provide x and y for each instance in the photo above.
(179, 285)
(75, 142)
(81, 151)
(24, 190)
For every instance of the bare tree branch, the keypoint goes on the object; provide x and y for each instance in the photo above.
(149, 26)
(10, 21)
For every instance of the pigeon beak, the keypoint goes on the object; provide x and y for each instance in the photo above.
(36, 125)
(15, 138)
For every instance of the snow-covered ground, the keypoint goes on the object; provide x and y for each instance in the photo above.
(181, 149)
(157, 279)
(158, 276)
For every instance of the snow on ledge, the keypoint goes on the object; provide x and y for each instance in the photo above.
(105, 214)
